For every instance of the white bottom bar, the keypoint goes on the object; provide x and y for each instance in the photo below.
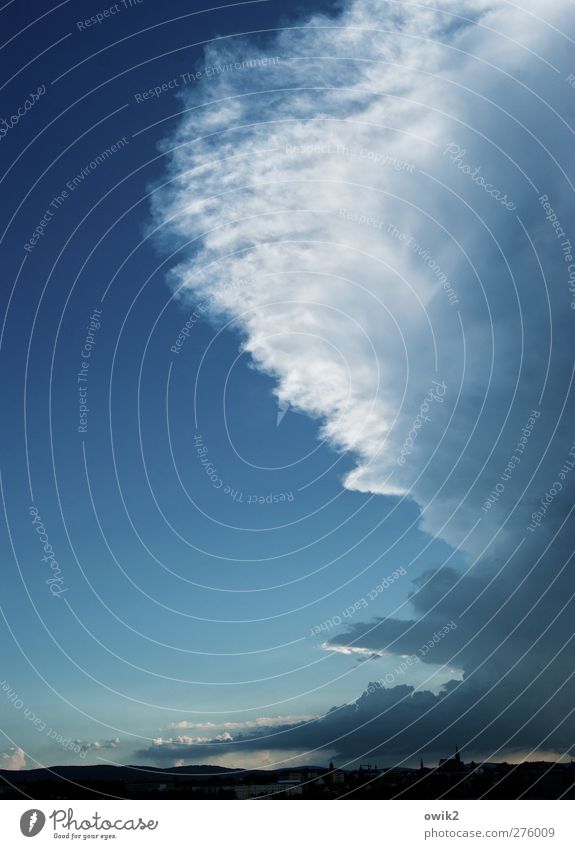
(282, 824)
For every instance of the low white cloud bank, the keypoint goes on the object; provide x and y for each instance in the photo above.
(363, 208)
(96, 745)
(257, 722)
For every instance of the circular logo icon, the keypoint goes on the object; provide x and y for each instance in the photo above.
(32, 822)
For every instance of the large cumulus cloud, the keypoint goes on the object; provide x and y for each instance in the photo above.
(383, 159)
(318, 185)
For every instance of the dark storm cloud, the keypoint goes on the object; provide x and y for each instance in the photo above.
(513, 640)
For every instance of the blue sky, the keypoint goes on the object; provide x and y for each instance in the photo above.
(309, 273)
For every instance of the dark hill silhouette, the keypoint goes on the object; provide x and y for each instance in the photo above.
(450, 779)
(108, 772)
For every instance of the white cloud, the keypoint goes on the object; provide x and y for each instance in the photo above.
(257, 722)
(340, 258)
(186, 740)
(359, 650)
(301, 195)
(90, 746)
(13, 758)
